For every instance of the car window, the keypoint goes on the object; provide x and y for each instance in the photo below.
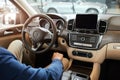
(60, 7)
(7, 13)
(59, 0)
(78, 6)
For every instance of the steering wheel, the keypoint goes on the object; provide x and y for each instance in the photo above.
(35, 36)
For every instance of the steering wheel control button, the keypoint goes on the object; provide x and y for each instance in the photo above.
(82, 54)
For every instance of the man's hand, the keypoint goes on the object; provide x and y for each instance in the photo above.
(57, 55)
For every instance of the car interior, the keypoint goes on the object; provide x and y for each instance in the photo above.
(90, 42)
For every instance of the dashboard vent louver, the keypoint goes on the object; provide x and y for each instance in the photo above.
(102, 26)
(70, 24)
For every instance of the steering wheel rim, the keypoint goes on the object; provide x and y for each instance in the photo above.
(54, 30)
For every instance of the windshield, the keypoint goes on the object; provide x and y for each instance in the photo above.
(76, 6)
(63, 7)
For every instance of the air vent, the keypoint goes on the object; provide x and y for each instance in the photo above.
(102, 26)
(70, 24)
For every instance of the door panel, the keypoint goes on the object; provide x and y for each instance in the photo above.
(8, 34)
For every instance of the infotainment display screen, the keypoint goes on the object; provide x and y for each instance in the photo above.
(86, 22)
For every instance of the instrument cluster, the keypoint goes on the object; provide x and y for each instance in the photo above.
(59, 23)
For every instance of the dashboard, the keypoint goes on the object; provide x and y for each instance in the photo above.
(85, 31)
(83, 40)
(82, 37)
(91, 43)
(86, 43)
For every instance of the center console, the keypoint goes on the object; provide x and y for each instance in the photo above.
(78, 71)
(70, 75)
(84, 41)
(85, 33)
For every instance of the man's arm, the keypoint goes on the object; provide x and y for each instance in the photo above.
(11, 69)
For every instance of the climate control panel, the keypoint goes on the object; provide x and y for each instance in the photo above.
(84, 41)
(82, 54)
